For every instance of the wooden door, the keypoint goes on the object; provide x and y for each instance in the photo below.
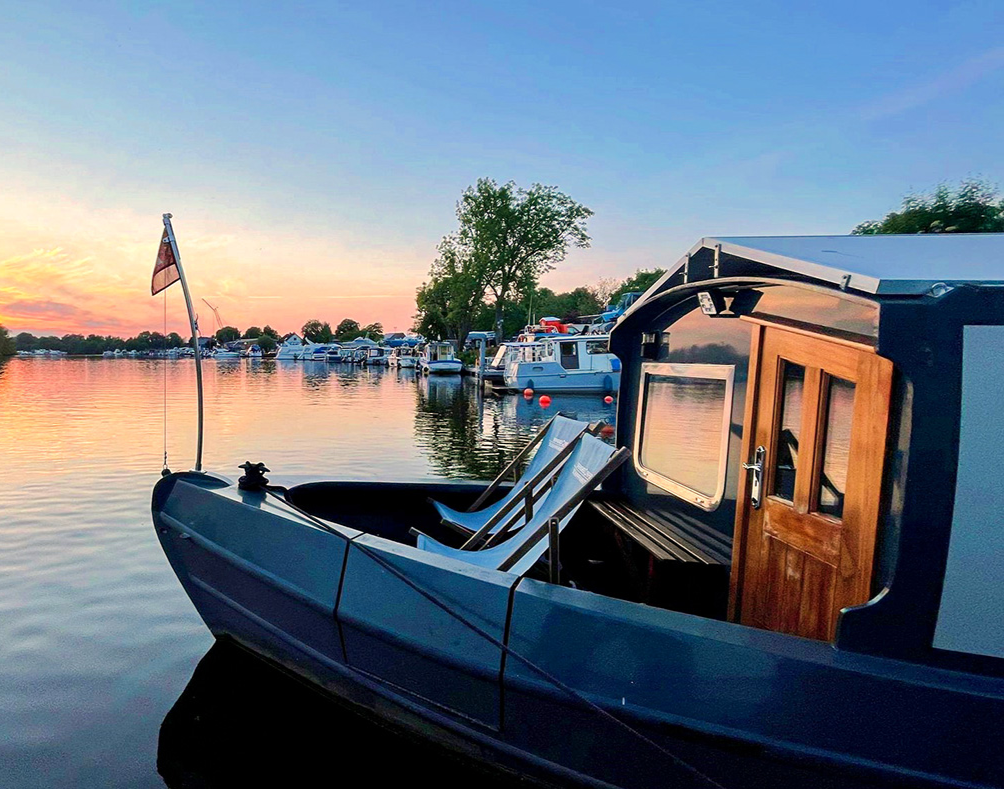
(819, 409)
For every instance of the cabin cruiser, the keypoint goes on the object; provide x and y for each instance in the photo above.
(294, 349)
(104, 354)
(377, 356)
(580, 362)
(224, 354)
(403, 356)
(507, 352)
(334, 354)
(437, 359)
(786, 572)
(254, 352)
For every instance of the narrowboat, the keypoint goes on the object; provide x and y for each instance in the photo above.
(437, 358)
(565, 362)
(787, 572)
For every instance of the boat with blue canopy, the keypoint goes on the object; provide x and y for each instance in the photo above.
(785, 570)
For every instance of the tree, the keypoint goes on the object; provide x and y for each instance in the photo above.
(449, 303)
(604, 289)
(347, 330)
(509, 236)
(315, 331)
(252, 333)
(638, 282)
(228, 334)
(174, 340)
(975, 207)
(267, 343)
(8, 347)
(25, 342)
(268, 331)
(374, 331)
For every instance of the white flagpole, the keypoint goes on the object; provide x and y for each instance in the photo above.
(195, 333)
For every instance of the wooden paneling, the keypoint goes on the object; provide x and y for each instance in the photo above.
(793, 567)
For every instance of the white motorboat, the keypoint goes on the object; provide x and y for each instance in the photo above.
(225, 354)
(334, 354)
(581, 363)
(294, 349)
(254, 352)
(403, 356)
(377, 356)
(438, 359)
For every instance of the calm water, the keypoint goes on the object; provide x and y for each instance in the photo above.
(97, 639)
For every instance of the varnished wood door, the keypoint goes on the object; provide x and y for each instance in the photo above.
(820, 410)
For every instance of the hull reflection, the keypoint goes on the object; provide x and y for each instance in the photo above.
(241, 721)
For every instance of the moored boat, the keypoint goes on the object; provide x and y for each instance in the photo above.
(580, 363)
(786, 574)
(437, 358)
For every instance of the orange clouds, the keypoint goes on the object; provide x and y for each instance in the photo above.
(73, 269)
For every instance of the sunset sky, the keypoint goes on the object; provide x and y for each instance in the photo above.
(312, 154)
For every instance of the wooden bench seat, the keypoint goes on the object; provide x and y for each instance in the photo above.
(677, 537)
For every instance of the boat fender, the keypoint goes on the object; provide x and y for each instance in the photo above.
(254, 476)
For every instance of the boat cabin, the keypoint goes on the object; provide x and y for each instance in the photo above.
(812, 419)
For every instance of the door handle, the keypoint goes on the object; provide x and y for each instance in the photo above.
(757, 468)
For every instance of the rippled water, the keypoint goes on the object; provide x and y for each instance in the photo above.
(97, 639)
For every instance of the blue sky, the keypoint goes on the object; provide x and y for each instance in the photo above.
(331, 141)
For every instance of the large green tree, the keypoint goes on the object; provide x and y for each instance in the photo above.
(251, 333)
(510, 236)
(347, 330)
(228, 334)
(449, 302)
(316, 331)
(975, 206)
(7, 345)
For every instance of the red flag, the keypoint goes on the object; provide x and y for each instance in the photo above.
(165, 270)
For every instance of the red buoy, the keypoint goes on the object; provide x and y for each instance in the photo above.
(545, 401)
(528, 392)
(608, 399)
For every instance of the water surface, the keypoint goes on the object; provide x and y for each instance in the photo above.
(97, 639)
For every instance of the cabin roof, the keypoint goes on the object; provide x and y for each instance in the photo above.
(880, 264)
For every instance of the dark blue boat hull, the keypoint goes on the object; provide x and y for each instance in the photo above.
(746, 708)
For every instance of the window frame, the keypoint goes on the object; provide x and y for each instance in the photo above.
(719, 372)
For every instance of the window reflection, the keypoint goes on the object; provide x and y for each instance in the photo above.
(786, 446)
(837, 446)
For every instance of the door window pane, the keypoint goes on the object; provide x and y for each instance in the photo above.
(786, 446)
(837, 447)
(569, 356)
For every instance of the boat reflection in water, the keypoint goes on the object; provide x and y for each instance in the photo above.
(241, 721)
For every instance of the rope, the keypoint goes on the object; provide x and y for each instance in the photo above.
(547, 676)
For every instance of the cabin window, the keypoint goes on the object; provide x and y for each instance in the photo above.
(685, 419)
(597, 346)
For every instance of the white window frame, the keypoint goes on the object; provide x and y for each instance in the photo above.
(719, 372)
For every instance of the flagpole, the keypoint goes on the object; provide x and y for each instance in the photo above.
(195, 333)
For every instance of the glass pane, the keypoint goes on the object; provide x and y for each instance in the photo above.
(682, 430)
(786, 448)
(837, 447)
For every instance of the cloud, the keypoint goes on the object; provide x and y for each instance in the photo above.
(962, 76)
(40, 309)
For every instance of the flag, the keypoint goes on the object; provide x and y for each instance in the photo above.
(165, 270)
